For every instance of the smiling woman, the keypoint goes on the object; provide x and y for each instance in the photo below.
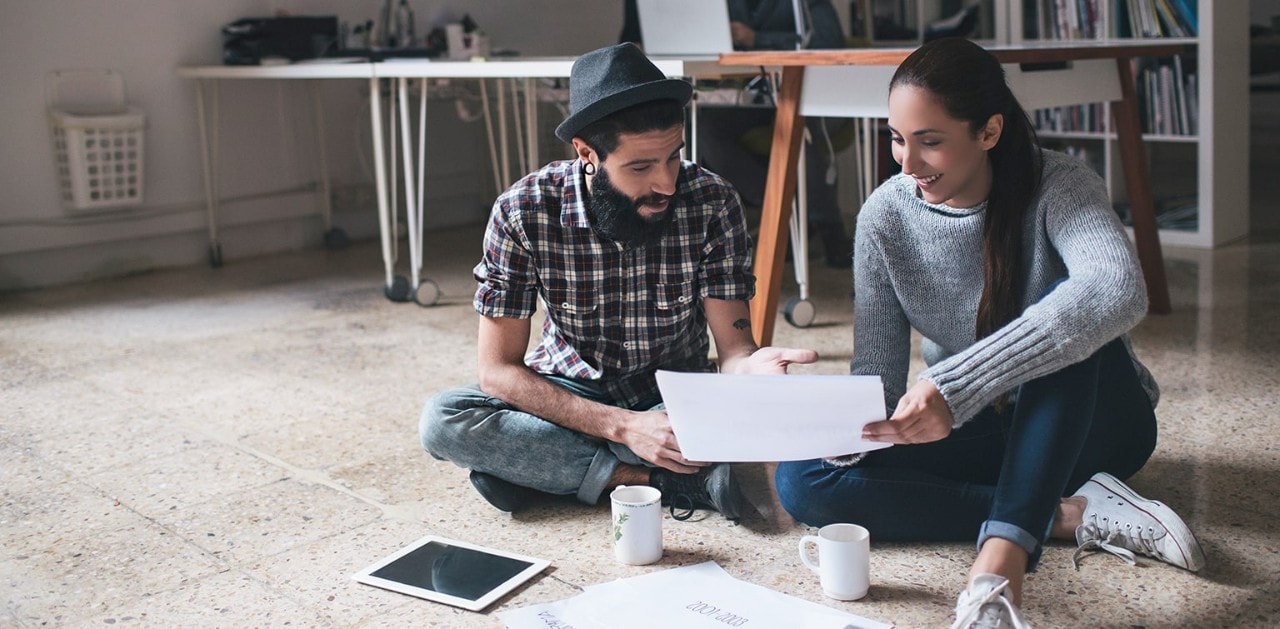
(1010, 262)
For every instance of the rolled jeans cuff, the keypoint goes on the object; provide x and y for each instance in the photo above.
(598, 474)
(1015, 534)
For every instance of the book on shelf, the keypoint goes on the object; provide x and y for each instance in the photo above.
(1090, 118)
(1180, 97)
(1156, 18)
(1066, 19)
(1188, 15)
(1174, 212)
(1167, 92)
(1168, 21)
(1105, 19)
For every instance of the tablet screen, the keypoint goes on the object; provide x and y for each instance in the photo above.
(452, 572)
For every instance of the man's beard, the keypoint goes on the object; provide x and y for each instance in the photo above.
(616, 216)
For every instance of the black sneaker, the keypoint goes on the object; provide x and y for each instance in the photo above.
(711, 487)
(505, 495)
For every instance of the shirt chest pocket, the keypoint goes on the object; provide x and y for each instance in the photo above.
(575, 313)
(673, 307)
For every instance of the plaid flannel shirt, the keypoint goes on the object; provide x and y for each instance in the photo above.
(613, 314)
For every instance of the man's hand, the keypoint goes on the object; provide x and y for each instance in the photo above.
(744, 36)
(649, 435)
(922, 416)
(774, 360)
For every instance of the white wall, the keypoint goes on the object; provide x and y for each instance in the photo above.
(267, 130)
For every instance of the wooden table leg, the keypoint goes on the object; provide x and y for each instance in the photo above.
(779, 190)
(1137, 181)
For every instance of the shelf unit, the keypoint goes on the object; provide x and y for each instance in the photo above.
(1200, 177)
(1203, 176)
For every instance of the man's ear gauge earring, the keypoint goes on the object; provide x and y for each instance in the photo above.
(589, 168)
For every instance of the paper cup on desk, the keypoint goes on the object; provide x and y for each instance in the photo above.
(637, 524)
(843, 560)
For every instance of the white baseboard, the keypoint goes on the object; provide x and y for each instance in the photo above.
(288, 222)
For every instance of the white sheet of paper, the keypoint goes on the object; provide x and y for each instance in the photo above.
(735, 418)
(701, 595)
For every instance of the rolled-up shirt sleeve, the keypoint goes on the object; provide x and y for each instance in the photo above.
(506, 276)
(725, 272)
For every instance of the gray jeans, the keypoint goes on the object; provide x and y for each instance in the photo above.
(485, 434)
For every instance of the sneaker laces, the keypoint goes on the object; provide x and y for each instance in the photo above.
(985, 610)
(1121, 542)
(689, 507)
(684, 492)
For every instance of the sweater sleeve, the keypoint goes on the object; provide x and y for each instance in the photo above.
(881, 332)
(1101, 298)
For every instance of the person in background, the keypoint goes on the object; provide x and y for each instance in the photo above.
(1011, 263)
(633, 254)
(733, 141)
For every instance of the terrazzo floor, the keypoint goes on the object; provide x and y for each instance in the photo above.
(202, 447)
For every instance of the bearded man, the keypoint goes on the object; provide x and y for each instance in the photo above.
(633, 254)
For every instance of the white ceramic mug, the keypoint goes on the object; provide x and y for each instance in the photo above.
(843, 560)
(637, 524)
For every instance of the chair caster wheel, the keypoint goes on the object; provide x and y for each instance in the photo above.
(398, 291)
(800, 313)
(427, 294)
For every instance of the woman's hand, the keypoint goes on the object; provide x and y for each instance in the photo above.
(922, 416)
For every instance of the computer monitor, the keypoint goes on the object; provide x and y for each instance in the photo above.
(684, 28)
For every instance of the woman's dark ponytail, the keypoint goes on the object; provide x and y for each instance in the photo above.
(970, 85)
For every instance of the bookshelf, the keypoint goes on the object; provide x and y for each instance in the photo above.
(1195, 113)
(1196, 119)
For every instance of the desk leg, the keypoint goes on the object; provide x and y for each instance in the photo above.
(693, 123)
(333, 238)
(410, 195)
(380, 178)
(503, 149)
(488, 130)
(209, 160)
(522, 148)
(425, 291)
(531, 123)
(779, 191)
(1137, 181)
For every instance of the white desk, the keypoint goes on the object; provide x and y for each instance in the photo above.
(404, 71)
(207, 78)
(399, 288)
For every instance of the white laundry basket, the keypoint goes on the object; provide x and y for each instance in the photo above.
(98, 140)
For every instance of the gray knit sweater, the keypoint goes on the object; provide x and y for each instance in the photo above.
(919, 265)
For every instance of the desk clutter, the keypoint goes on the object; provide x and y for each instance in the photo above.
(393, 33)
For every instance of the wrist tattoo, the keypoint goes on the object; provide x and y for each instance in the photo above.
(742, 324)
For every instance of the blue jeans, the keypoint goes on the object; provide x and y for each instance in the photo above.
(483, 433)
(1001, 474)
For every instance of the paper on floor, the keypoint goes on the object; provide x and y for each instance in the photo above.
(701, 595)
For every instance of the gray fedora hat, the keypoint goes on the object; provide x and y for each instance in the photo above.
(611, 79)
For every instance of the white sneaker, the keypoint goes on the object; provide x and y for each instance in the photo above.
(1121, 522)
(984, 606)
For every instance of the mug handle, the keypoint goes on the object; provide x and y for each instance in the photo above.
(804, 552)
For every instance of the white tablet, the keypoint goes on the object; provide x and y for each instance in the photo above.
(452, 572)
